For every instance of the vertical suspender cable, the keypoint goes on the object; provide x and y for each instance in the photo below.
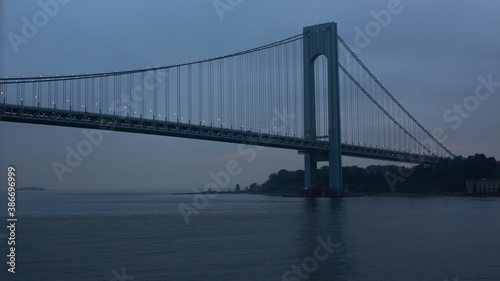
(200, 93)
(129, 93)
(190, 93)
(210, 93)
(179, 115)
(167, 95)
(221, 92)
(155, 95)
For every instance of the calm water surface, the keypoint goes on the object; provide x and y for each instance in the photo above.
(141, 236)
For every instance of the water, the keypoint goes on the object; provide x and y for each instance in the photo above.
(78, 236)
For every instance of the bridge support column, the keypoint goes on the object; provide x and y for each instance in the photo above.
(310, 167)
(322, 40)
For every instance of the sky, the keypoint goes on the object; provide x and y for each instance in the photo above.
(440, 59)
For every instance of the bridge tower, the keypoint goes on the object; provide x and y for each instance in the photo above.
(322, 40)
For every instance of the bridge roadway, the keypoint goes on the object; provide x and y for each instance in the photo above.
(67, 118)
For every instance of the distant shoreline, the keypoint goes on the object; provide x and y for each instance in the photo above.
(31, 188)
(395, 194)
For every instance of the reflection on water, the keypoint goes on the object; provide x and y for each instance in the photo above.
(65, 236)
(322, 222)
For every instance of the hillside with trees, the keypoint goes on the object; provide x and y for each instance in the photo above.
(447, 176)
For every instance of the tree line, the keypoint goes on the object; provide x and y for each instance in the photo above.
(446, 176)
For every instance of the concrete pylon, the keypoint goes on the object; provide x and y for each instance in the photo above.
(322, 40)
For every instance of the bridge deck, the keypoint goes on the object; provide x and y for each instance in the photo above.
(67, 118)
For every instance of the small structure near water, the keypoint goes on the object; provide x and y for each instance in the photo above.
(482, 186)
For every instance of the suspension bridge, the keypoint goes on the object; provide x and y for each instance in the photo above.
(309, 93)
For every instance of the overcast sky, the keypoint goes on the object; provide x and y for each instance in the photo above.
(430, 55)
